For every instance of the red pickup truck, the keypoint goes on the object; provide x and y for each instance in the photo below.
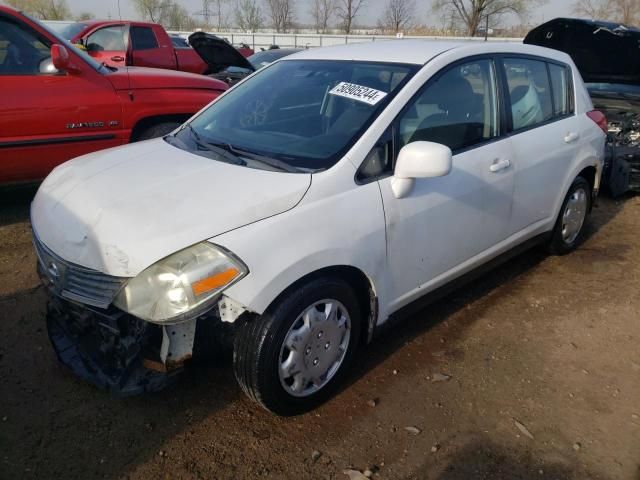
(56, 102)
(139, 44)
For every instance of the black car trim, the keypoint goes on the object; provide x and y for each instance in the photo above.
(55, 141)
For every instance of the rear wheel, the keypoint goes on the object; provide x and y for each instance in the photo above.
(293, 357)
(568, 232)
(157, 130)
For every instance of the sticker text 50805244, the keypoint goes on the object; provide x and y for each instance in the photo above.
(361, 93)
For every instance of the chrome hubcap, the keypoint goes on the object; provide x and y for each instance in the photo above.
(574, 214)
(314, 347)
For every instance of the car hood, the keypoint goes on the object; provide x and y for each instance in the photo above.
(217, 53)
(135, 78)
(121, 210)
(602, 51)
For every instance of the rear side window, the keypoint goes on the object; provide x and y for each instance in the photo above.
(529, 92)
(560, 84)
(143, 38)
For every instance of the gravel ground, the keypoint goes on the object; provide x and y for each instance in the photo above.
(532, 371)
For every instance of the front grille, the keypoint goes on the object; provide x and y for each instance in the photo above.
(74, 282)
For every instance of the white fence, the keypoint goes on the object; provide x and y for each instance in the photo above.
(308, 40)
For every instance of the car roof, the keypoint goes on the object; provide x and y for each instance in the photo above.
(416, 51)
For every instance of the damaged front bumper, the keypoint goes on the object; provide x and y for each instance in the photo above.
(123, 354)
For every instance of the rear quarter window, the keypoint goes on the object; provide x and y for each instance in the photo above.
(143, 38)
(561, 86)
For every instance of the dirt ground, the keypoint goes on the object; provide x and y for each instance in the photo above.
(542, 355)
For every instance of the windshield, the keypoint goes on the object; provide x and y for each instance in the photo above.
(304, 114)
(63, 41)
(65, 29)
(262, 59)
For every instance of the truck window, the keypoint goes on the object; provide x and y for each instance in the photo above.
(143, 38)
(110, 39)
(21, 51)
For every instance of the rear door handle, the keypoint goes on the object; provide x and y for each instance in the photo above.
(571, 137)
(117, 58)
(498, 165)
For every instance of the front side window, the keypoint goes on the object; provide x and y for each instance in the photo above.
(529, 92)
(21, 51)
(107, 39)
(143, 38)
(457, 109)
(296, 114)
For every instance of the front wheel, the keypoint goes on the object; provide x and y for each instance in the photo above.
(292, 358)
(568, 231)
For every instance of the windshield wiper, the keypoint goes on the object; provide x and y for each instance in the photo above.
(270, 161)
(219, 149)
(234, 153)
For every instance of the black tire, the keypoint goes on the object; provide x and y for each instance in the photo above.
(558, 245)
(258, 343)
(155, 131)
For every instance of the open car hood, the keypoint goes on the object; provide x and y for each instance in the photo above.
(604, 52)
(217, 53)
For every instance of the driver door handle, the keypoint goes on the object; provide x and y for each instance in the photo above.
(499, 165)
(117, 58)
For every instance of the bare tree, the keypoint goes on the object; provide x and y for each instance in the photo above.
(150, 10)
(398, 15)
(601, 9)
(176, 17)
(321, 12)
(627, 11)
(248, 15)
(220, 12)
(346, 11)
(471, 13)
(281, 13)
(623, 11)
(45, 9)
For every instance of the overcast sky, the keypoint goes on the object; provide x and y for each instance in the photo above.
(370, 15)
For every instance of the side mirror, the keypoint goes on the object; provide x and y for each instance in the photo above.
(420, 160)
(60, 59)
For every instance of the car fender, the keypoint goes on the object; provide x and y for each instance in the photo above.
(345, 227)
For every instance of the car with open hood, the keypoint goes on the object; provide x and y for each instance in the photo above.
(328, 193)
(606, 55)
(229, 65)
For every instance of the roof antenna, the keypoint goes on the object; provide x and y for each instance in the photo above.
(126, 54)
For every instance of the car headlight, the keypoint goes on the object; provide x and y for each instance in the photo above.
(181, 285)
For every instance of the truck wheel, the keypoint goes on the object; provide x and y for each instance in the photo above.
(157, 130)
(292, 358)
(568, 232)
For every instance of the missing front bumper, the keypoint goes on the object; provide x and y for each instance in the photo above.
(110, 349)
(128, 356)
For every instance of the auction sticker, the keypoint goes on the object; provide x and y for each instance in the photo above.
(357, 92)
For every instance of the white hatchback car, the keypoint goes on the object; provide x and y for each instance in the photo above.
(308, 205)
